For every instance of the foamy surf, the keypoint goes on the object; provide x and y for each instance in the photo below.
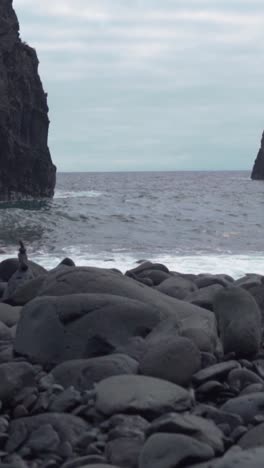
(234, 265)
(76, 194)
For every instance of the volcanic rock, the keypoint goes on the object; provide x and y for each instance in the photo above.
(26, 169)
(239, 321)
(172, 450)
(140, 394)
(258, 168)
(55, 329)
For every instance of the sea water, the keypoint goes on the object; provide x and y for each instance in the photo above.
(192, 221)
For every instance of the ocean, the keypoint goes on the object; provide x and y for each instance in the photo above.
(193, 222)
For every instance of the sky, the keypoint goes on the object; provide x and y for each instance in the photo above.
(150, 84)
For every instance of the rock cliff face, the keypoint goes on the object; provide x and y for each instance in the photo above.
(26, 168)
(258, 169)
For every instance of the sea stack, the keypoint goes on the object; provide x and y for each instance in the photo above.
(26, 168)
(258, 169)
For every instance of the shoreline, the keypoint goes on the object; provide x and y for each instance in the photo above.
(236, 265)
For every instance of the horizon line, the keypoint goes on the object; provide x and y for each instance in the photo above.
(151, 171)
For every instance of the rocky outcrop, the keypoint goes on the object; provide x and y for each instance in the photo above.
(26, 168)
(258, 168)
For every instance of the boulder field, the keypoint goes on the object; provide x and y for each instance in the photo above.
(148, 369)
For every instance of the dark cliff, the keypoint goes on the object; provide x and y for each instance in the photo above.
(26, 168)
(258, 168)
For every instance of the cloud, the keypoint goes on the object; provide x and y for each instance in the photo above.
(187, 73)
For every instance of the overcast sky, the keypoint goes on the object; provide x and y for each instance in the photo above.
(150, 84)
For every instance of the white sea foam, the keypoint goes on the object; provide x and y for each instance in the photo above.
(234, 265)
(77, 194)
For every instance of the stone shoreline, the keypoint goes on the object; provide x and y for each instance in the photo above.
(151, 369)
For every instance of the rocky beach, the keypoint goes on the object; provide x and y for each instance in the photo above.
(159, 366)
(148, 369)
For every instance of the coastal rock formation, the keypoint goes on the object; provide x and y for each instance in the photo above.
(26, 168)
(258, 168)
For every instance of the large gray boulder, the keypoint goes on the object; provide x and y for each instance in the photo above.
(173, 450)
(84, 280)
(239, 321)
(175, 359)
(82, 374)
(56, 329)
(140, 394)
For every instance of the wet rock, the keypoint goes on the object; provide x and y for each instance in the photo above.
(43, 440)
(247, 406)
(169, 450)
(253, 388)
(9, 266)
(175, 360)
(65, 401)
(241, 378)
(216, 371)
(205, 280)
(124, 452)
(146, 265)
(242, 459)
(258, 366)
(144, 395)
(135, 348)
(69, 429)
(209, 390)
(238, 433)
(14, 376)
(239, 321)
(248, 281)
(82, 374)
(9, 315)
(56, 329)
(78, 280)
(177, 287)
(197, 427)
(204, 297)
(218, 416)
(208, 359)
(122, 425)
(156, 276)
(253, 438)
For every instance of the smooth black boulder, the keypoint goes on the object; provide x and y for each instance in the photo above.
(84, 373)
(56, 329)
(139, 394)
(175, 359)
(193, 320)
(173, 450)
(26, 168)
(239, 321)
